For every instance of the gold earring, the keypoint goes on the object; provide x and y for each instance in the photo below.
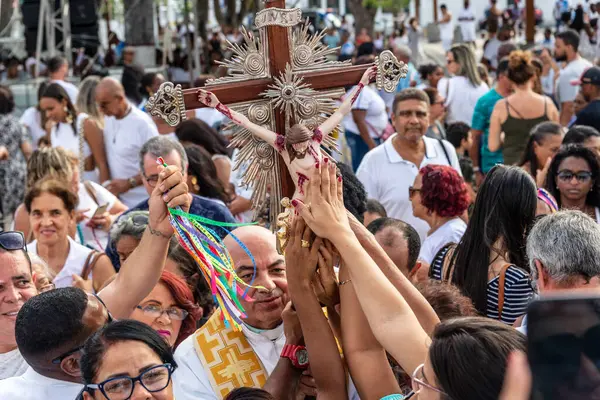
(69, 117)
(195, 184)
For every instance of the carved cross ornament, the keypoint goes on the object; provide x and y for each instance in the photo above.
(277, 77)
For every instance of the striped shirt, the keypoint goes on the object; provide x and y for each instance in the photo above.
(518, 291)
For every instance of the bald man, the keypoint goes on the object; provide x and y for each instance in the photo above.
(217, 359)
(126, 129)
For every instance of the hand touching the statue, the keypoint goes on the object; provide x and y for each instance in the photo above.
(207, 98)
(324, 211)
(301, 259)
(369, 75)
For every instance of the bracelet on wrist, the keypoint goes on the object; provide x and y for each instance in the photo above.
(155, 232)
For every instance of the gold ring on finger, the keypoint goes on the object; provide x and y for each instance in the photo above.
(305, 244)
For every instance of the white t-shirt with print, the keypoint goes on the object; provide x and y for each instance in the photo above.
(451, 232)
(565, 92)
(376, 117)
(387, 177)
(461, 98)
(97, 238)
(123, 139)
(32, 119)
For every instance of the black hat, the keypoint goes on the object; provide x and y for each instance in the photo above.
(590, 75)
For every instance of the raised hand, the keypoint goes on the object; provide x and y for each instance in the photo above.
(207, 98)
(170, 191)
(324, 212)
(301, 258)
(369, 75)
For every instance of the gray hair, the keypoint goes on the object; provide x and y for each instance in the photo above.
(131, 224)
(567, 243)
(465, 58)
(161, 146)
(403, 50)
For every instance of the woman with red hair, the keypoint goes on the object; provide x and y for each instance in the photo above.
(169, 309)
(439, 197)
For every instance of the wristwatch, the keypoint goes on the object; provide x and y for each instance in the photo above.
(297, 355)
(132, 182)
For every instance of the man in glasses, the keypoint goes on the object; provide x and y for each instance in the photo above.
(17, 285)
(389, 170)
(174, 154)
(51, 328)
(563, 250)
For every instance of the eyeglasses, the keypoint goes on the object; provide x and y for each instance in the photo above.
(152, 180)
(567, 176)
(77, 349)
(418, 381)
(155, 311)
(412, 191)
(153, 380)
(12, 240)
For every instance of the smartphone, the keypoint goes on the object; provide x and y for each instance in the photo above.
(100, 210)
(563, 347)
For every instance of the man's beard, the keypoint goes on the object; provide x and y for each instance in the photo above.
(560, 58)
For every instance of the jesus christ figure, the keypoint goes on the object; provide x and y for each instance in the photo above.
(299, 147)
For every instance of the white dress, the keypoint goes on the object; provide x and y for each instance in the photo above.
(73, 265)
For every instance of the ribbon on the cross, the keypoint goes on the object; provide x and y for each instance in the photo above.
(197, 236)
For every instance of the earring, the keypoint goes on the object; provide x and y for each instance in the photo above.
(69, 117)
(195, 185)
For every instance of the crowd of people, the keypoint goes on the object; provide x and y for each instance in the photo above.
(410, 266)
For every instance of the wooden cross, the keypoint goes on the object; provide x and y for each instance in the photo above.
(279, 45)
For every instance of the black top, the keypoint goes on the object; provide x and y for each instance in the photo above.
(590, 115)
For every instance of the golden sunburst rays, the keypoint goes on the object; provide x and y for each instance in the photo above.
(250, 60)
(308, 52)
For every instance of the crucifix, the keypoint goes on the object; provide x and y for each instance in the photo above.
(277, 79)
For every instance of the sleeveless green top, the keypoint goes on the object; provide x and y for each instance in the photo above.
(516, 132)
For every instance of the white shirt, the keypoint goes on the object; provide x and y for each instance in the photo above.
(376, 117)
(451, 232)
(32, 119)
(33, 386)
(62, 135)
(12, 364)
(490, 52)
(548, 83)
(467, 28)
(211, 116)
(461, 98)
(86, 202)
(71, 90)
(73, 264)
(387, 177)
(124, 139)
(565, 92)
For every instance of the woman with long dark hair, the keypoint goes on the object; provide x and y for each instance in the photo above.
(111, 359)
(202, 175)
(76, 132)
(543, 143)
(573, 180)
(492, 250)
(198, 132)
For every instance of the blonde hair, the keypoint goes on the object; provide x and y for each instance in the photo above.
(47, 162)
(465, 58)
(86, 100)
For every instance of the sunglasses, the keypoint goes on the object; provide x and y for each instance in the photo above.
(567, 176)
(12, 240)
